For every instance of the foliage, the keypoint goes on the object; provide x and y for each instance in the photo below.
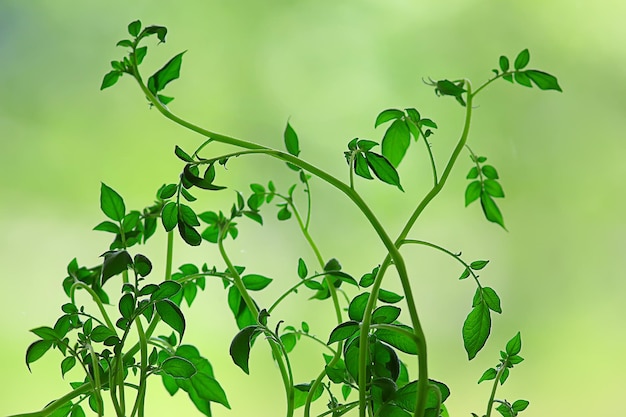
(367, 356)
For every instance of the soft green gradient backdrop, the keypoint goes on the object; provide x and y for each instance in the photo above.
(332, 66)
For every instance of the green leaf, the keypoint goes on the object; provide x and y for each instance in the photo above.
(140, 54)
(520, 405)
(522, 59)
(36, 350)
(178, 368)
(189, 234)
(284, 213)
(493, 188)
(383, 169)
(46, 333)
(166, 74)
(476, 329)
(182, 154)
(343, 331)
(397, 339)
(111, 203)
(127, 305)
(301, 392)
(396, 141)
(291, 140)
(366, 145)
(465, 274)
(254, 216)
(187, 215)
(478, 265)
(361, 168)
(472, 192)
(472, 174)
(255, 282)
(134, 28)
(168, 191)
(77, 411)
(488, 375)
(492, 299)
(504, 63)
(491, 210)
(166, 289)
(169, 216)
(406, 397)
(387, 115)
(101, 333)
(67, 364)
(240, 346)
(356, 309)
(543, 80)
(514, 346)
(490, 172)
(115, 262)
(522, 79)
(171, 315)
(302, 269)
(110, 78)
(388, 296)
(161, 32)
(209, 389)
(385, 314)
(143, 266)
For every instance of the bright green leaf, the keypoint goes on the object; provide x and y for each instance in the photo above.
(472, 192)
(171, 315)
(514, 346)
(36, 350)
(488, 375)
(396, 141)
(255, 282)
(178, 368)
(383, 169)
(522, 59)
(110, 79)
(491, 210)
(167, 73)
(476, 329)
(543, 80)
(343, 331)
(291, 140)
(387, 115)
(111, 203)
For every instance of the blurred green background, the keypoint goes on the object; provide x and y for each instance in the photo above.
(331, 66)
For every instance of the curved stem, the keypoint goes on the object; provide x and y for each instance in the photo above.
(96, 299)
(493, 390)
(141, 393)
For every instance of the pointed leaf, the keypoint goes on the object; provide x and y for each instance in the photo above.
(167, 73)
(476, 329)
(291, 140)
(110, 78)
(543, 80)
(240, 346)
(178, 368)
(522, 59)
(396, 141)
(171, 315)
(383, 169)
(514, 346)
(491, 210)
(343, 331)
(504, 63)
(472, 192)
(36, 350)
(386, 115)
(209, 389)
(111, 203)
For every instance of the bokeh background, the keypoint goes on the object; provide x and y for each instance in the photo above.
(330, 67)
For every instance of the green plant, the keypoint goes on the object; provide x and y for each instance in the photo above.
(365, 360)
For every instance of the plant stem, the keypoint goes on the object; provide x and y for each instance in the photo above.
(494, 389)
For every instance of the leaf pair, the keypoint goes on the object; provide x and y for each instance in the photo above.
(362, 160)
(485, 187)
(542, 80)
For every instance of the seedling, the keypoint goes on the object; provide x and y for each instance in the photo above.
(371, 363)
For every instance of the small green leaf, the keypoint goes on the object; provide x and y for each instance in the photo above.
(488, 375)
(178, 368)
(169, 216)
(343, 331)
(127, 305)
(385, 314)
(520, 405)
(490, 172)
(522, 59)
(115, 262)
(383, 169)
(493, 188)
(387, 115)
(388, 296)
(209, 389)
(67, 364)
(134, 28)
(472, 174)
(182, 154)
(161, 32)
(46, 333)
(168, 191)
(189, 234)
(187, 215)
(472, 192)
(396, 142)
(171, 315)
(478, 265)
(366, 145)
(291, 140)
(361, 168)
(255, 282)
(143, 266)
(166, 289)
(514, 346)
(504, 63)
(111, 203)
(399, 340)
(36, 350)
(522, 79)
(301, 392)
(476, 329)
(110, 79)
(166, 74)
(543, 80)
(101, 333)
(332, 265)
(357, 306)
(302, 269)
(491, 210)
(284, 213)
(465, 274)
(492, 299)
(240, 346)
